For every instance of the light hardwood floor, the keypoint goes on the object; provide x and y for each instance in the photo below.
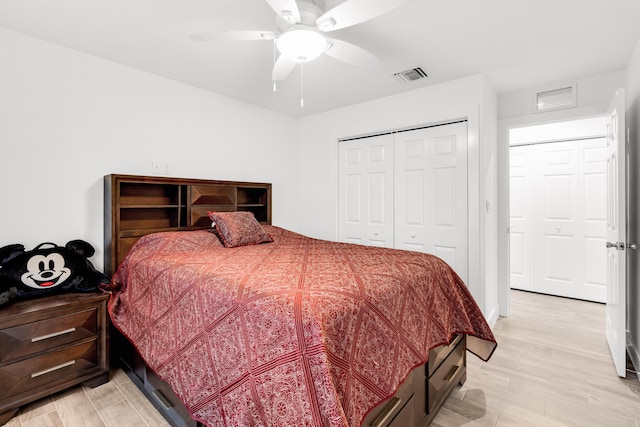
(552, 368)
(117, 403)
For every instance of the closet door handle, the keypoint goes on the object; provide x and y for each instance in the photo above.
(618, 245)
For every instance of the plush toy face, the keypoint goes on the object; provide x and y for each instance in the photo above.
(47, 269)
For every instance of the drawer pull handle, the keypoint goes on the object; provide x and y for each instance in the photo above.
(55, 368)
(452, 373)
(386, 412)
(55, 334)
(163, 400)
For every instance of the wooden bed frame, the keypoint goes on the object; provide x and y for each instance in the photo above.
(138, 205)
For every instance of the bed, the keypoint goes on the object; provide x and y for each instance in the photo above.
(293, 331)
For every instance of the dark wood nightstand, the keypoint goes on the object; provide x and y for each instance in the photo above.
(49, 344)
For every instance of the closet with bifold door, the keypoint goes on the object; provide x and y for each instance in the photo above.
(407, 190)
(558, 218)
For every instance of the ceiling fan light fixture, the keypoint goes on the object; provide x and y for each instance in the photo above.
(301, 45)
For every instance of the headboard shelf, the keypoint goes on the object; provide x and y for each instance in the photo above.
(144, 232)
(158, 207)
(150, 194)
(135, 206)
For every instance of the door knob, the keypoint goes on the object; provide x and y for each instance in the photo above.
(618, 245)
(632, 246)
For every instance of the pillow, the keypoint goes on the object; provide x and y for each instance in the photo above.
(238, 229)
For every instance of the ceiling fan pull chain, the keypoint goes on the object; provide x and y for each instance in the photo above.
(301, 84)
(274, 63)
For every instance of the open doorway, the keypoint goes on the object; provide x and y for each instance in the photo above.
(557, 219)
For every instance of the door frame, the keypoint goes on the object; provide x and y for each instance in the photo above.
(505, 126)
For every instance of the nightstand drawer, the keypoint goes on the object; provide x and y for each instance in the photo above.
(29, 339)
(49, 344)
(57, 366)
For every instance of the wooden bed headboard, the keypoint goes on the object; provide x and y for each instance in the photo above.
(135, 206)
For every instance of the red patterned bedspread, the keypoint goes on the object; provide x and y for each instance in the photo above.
(298, 332)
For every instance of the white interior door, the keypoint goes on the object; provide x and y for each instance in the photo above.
(557, 225)
(521, 211)
(407, 190)
(431, 193)
(412, 166)
(571, 218)
(366, 191)
(556, 222)
(447, 209)
(616, 233)
(593, 215)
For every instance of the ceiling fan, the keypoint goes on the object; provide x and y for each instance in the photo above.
(300, 29)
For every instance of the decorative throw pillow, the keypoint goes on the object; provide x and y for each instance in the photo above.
(238, 229)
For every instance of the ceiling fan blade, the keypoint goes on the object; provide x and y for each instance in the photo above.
(234, 36)
(349, 53)
(287, 9)
(353, 12)
(283, 67)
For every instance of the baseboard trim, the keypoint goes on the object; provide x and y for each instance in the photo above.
(492, 317)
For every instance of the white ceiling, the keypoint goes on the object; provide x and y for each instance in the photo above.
(516, 43)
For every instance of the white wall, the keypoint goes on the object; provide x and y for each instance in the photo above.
(592, 91)
(489, 203)
(516, 110)
(633, 189)
(67, 119)
(470, 98)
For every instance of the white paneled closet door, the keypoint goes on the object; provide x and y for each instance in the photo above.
(366, 191)
(411, 170)
(593, 155)
(521, 228)
(429, 191)
(557, 219)
(566, 181)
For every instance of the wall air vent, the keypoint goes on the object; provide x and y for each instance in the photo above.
(556, 98)
(410, 75)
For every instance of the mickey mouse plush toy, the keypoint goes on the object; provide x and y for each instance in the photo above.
(47, 269)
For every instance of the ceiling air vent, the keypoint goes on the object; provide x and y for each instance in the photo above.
(556, 99)
(410, 75)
